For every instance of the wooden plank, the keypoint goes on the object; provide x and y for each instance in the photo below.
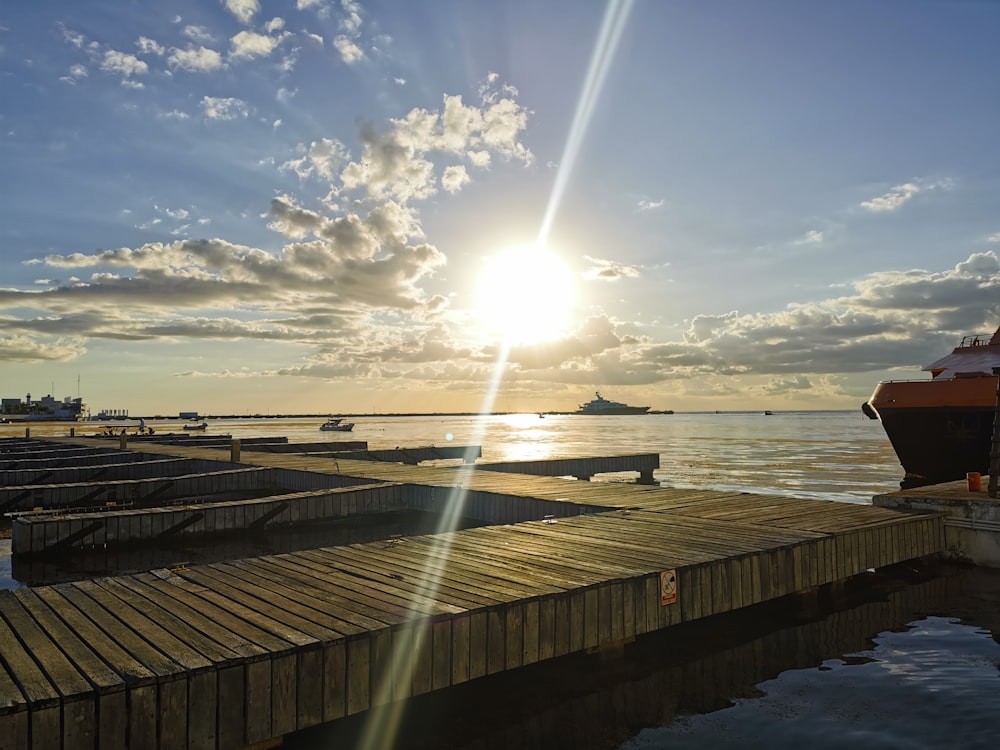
(202, 707)
(245, 638)
(78, 697)
(382, 676)
(335, 680)
(258, 707)
(441, 656)
(284, 697)
(460, 649)
(309, 688)
(358, 675)
(13, 713)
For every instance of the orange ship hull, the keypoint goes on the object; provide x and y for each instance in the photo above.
(940, 429)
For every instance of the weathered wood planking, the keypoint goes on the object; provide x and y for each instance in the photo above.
(238, 652)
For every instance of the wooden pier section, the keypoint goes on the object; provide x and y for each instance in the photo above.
(234, 653)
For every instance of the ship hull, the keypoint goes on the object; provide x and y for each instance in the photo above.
(940, 430)
(614, 411)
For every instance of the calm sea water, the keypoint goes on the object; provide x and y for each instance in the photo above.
(909, 660)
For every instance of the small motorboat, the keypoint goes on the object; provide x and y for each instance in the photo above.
(336, 424)
(199, 426)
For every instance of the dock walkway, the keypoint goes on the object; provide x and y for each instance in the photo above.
(235, 653)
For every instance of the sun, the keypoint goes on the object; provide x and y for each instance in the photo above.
(526, 295)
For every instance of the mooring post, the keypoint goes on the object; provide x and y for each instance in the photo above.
(992, 489)
(123, 441)
(27, 432)
(234, 450)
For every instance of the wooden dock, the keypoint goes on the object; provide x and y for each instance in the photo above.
(235, 653)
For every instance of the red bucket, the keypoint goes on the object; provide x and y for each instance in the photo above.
(975, 481)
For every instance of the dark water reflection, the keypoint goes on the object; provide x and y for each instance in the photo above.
(887, 664)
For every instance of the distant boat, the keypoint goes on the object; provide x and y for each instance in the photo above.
(601, 405)
(200, 426)
(336, 424)
(768, 413)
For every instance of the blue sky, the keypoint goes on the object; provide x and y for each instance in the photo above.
(243, 206)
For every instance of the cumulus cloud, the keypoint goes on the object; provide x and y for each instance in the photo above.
(454, 178)
(902, 194)
(33, 348)
(395, 163)
(149, 46)
(198, 34)
(196, 60)
(608, 270)
(351, 21)
(322, 158)
(224, 108)
(76, 73)
(249, 44)
(124, 64)
(350, 52)
(649, 205)
(244, 10)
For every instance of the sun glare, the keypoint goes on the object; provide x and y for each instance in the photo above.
(526, 295)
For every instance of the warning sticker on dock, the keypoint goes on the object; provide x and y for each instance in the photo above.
(668, 587)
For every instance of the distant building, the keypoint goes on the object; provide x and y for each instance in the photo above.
(46, 408)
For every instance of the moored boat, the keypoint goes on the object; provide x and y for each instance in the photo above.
(336, 424)
(601, 405)
(942, 428)
(199, 426)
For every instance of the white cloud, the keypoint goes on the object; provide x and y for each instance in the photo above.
(395, 163)
(249, 44)
(322, 158)
(200, 60)
(901, 194)
(306, 4)
(244, 10)
(351, 22)
(454, 178)
(650, 205)
(608, 270)
(224, 108)
(350, 52)
(123, 64)
(75, 38)
(995, 237)
(198, 34)
(892, 200)
(149, 46)
(275, 24)
(812, 237)
(76, 73)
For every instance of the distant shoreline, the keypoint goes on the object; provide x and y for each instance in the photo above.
(20, 420)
